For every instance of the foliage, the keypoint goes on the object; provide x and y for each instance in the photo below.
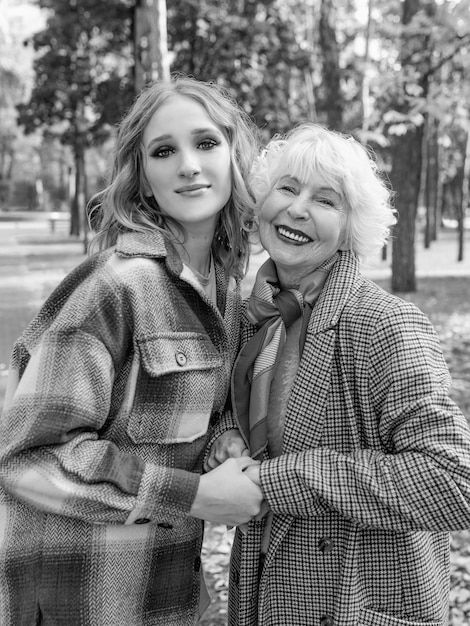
(82, 69)
(252, 48)
(381, 71)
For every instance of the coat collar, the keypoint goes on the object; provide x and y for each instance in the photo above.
(149, 244)
(154, 245)
(335, 293)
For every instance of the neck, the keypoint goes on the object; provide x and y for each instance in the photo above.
(196, 252)
(289, 279)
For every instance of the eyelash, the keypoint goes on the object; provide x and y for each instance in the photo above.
(326, 201)
(164, 151)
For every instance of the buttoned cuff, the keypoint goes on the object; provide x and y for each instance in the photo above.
(166, 494)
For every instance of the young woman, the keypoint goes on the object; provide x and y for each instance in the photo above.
(115, 384)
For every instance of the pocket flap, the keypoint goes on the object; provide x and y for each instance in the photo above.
(370, 617)
(178, 352)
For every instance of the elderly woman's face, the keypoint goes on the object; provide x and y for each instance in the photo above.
(302, 225)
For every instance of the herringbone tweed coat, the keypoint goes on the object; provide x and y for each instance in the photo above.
(375, 471)
(113, 386)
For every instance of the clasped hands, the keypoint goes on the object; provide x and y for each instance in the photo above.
(230, 492)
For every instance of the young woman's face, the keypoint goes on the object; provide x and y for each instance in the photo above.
(187, 163)
(301, 225)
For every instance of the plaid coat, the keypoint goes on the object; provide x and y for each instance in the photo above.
(375, 471)
(111, 393)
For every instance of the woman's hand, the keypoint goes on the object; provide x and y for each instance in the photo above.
(230, 445)
(253, 474)
(226, 496)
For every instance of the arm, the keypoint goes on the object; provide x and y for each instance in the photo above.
(419, 478)
(52, 456)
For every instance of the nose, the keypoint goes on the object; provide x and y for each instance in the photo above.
(298, 208)
(189, 164)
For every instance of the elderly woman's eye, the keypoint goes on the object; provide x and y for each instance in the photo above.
(287, 188)
(326, 201)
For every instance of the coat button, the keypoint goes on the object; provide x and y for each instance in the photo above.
(197, 563)
(326, 545)
(327, 620)
(181, 358)
(142, 520)
(164, 525)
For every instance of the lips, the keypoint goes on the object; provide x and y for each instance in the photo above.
(190, 188)
(293, 235)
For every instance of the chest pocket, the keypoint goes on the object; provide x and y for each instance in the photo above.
(175, 388)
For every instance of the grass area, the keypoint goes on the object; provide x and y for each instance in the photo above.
(446, 301)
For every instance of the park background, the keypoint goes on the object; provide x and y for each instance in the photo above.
(395, 75)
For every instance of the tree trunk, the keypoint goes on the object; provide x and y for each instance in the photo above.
(150, 43)
(465, 199)
(78, 199)
(331, 72)
(406, 149)
(74, 205)
(365, 77)
(405, 177)
(431, 181)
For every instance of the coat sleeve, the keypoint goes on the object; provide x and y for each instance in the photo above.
(419, 475)
(52, 454)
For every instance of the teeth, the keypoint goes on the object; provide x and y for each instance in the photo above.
(293, 236)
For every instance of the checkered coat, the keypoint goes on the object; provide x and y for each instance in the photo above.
(112, 390)
(375, 471)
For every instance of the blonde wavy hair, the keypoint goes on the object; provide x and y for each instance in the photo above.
(123, 205)
(349, 168)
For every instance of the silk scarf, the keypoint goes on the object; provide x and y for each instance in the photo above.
(272, 310)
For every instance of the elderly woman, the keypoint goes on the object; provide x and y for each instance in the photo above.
(342, 390)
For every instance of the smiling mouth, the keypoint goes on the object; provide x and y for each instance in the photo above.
(190, 188)
(293, 235)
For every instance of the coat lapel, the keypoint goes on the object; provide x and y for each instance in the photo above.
(306, 409)
(305, 417)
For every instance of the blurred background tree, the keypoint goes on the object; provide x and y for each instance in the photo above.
(395, 75)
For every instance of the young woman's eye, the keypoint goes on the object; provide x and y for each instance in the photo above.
(162, 153)
(207, 144)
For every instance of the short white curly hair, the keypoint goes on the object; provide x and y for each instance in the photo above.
(310, 150)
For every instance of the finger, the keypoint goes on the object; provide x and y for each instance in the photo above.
(207, 467)
(245, 461)
(210, 463)
(235, 448)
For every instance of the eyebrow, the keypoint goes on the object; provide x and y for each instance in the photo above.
(195, 131)
(295, 179)
(290, 177)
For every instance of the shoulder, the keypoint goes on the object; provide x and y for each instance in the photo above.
(373, 303)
